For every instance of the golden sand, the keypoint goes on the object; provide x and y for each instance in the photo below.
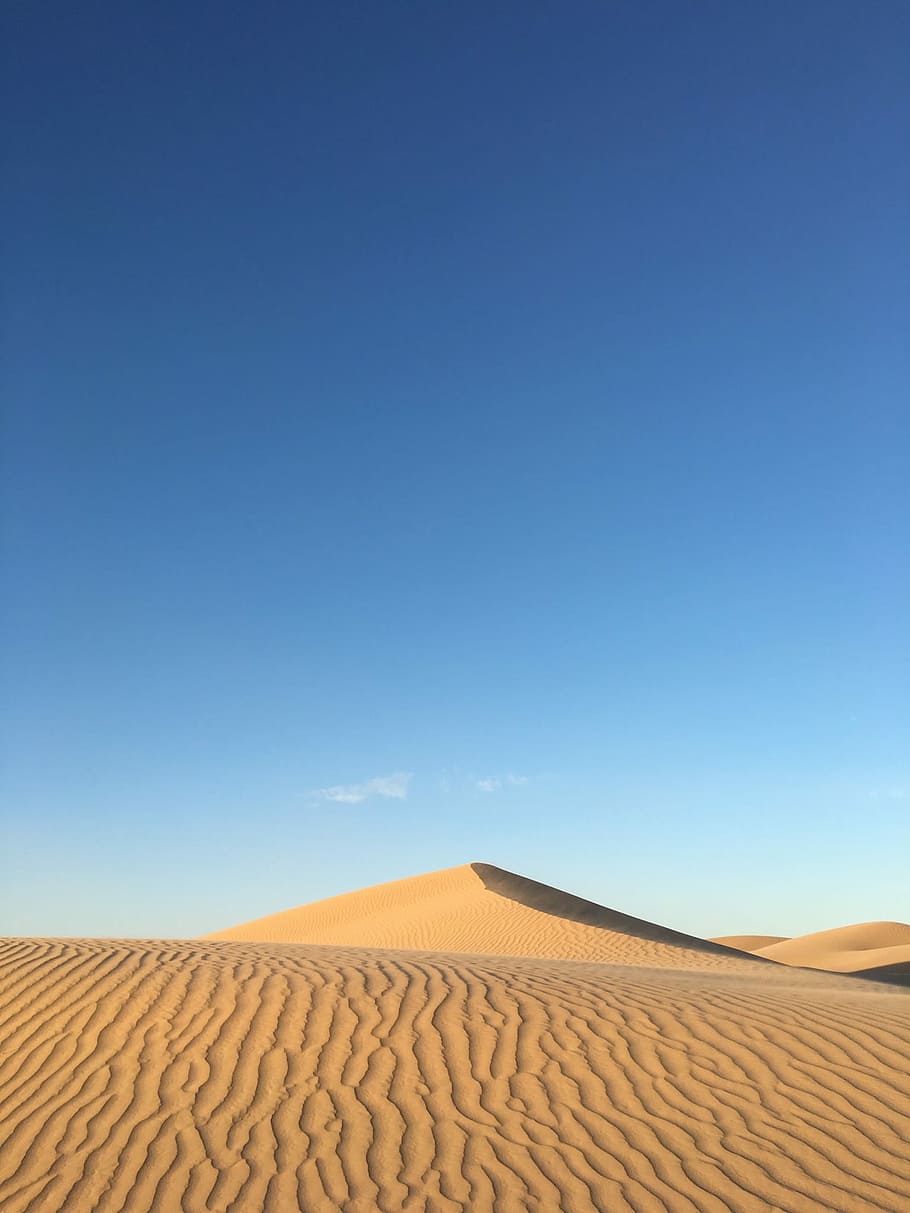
(488, 1044)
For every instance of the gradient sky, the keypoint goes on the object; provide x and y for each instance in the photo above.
(439, 433)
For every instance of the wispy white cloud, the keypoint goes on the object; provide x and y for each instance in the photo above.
(389, 787)
(495, 783)
(491, 784)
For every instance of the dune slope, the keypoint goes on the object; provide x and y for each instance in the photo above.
(479, 908)
(210, 1076)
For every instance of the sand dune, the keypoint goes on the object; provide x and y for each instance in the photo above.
(212, 1076)
(748, 943)
(871, 948)
(479, 908)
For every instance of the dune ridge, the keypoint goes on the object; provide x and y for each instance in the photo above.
(481, 909)
(748, 943)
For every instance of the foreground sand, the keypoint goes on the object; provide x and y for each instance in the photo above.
(219, 1075)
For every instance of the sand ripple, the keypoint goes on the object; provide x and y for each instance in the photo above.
(213, 1076)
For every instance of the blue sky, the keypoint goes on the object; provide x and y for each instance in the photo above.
(448, 433)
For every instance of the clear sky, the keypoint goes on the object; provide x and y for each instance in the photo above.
(438, 433)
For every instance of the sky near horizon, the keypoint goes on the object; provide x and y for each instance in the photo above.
(437, 433)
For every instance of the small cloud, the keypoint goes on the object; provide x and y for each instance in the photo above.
(390, 787)
(495, 783)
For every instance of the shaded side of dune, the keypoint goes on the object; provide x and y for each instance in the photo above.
(892, 975)
(558, 904)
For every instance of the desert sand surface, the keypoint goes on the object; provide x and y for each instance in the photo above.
(660, 1073)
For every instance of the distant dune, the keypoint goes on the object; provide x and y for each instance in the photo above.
(748, 943)
(359, 1076)
(873, 949)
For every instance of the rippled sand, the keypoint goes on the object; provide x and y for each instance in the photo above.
(213, 1075)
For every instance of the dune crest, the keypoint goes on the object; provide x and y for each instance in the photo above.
(481, 909)
(748, 943)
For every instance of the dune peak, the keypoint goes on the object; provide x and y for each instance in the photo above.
(484, 909)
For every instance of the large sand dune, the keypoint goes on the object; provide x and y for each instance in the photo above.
(483, 909)
(209, 1075)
